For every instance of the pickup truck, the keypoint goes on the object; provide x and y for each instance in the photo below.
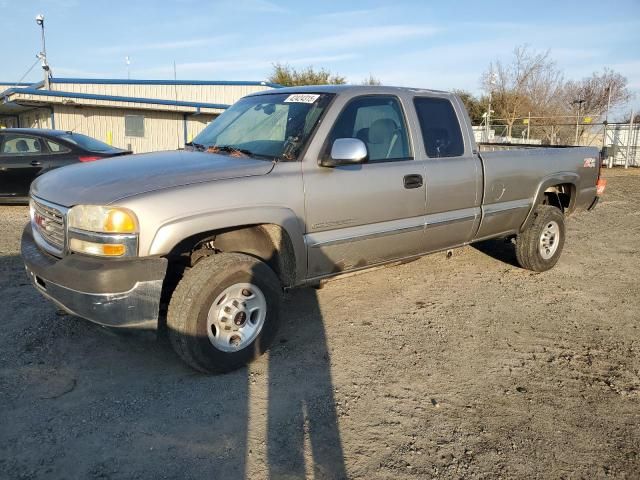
(285, 189)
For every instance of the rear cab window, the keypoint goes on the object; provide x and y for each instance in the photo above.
(377, 120)
(440, 127)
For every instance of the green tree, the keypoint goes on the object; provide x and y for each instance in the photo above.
(286, 75)
(476, 107)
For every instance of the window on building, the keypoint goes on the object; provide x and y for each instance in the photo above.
(20, 145)
(134, 125)
(440, 127)
(378, 121)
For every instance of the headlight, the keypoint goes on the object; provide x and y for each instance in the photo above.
(103, 231)
(94, 218)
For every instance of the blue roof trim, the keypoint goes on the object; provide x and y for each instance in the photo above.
(14, 84)
(118, 81)
(113, 98)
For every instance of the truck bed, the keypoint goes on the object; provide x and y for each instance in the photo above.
(515, 177)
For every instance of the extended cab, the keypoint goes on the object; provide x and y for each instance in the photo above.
(287, 188)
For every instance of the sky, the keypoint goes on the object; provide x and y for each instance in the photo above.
(430, 44)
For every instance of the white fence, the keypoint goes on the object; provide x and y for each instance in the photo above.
(622, 145)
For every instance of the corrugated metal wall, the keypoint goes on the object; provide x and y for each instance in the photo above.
(162, 130)
(38, 118)
(225, 94)
(196, 123)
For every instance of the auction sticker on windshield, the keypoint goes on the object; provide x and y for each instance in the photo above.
(302, 98)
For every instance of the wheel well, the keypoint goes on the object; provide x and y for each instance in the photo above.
(561, 196)
(268, 242)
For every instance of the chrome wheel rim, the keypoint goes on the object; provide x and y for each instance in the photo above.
(236, 317)
(549, 240)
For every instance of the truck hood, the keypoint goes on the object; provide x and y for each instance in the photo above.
(108, 180)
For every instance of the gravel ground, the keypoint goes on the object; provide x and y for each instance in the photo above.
(462, 367)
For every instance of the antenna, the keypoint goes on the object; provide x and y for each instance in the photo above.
(127, 61)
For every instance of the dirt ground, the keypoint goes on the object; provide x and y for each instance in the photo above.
(467, 367)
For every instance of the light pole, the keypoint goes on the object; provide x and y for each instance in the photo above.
(492, 82)
(579, 102)
(43, 53)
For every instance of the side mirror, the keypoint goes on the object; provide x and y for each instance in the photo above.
(346, 151)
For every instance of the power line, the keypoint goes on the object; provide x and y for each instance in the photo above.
(27, 73)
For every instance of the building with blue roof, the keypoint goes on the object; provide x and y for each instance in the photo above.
(140, 115)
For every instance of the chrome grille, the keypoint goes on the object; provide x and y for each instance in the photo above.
(49, 223)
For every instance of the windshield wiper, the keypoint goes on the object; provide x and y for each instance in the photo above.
(237, 152)
(197, 146)
(231, 149)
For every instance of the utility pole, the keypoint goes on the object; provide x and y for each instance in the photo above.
(528, 126)
(579, 102)
(492, 82)
(629, 135)
(43, 54)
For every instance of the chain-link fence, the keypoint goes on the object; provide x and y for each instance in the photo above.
(618, 142)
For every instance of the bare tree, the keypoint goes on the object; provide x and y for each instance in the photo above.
(595, 94)
(371, 80)
(529, 82)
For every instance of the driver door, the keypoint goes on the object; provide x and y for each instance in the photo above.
(361, 215)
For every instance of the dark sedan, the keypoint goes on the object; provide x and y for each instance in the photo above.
(26, 153)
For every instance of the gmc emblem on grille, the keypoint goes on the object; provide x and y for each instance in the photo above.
(40, 221)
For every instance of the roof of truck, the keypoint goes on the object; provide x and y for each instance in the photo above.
(347, 88)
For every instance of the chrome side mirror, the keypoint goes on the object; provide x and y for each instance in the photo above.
(346, 151)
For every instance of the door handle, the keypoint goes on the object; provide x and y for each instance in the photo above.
(35, 163)
(412, 181)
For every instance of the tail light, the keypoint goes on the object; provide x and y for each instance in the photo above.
(88, 159)
(601, 183)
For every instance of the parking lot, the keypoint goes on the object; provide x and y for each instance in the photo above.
(452, 367)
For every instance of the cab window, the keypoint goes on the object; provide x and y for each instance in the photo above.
(440, 127)
(379, 122)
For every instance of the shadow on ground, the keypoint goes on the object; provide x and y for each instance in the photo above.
(81, 401)
(499, 249)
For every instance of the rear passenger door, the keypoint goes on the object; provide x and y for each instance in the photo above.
(360, 215)
(453, 174)
(60, 154)
(22, 157)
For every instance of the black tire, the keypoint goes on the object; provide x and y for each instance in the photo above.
(528, 249)
(193, 297)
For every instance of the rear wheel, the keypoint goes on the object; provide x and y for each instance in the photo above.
(538, 248)
(224, 312)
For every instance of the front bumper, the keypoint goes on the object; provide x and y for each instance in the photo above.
(110, 292)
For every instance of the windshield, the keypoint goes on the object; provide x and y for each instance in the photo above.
(276, 126)
(88, 143)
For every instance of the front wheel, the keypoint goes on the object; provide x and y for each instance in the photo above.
(538, 248)
(224, 312)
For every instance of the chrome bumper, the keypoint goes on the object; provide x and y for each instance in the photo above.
(114, 294)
